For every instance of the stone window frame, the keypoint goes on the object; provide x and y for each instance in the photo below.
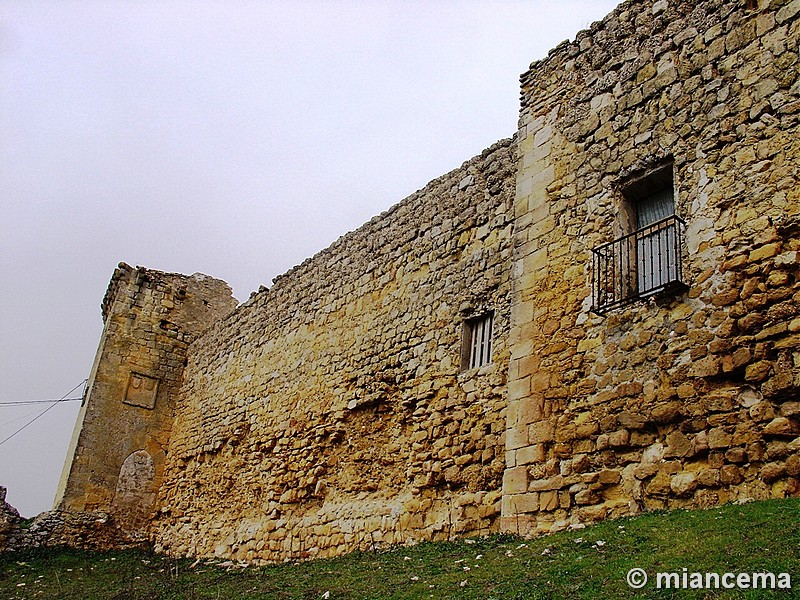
(646, 212)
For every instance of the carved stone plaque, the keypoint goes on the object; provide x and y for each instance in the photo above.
(141, 391)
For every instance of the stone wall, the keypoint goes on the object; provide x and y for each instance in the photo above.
(688, 399)
(116, 459)
(335, 411)
(90, 531)
(331, 412)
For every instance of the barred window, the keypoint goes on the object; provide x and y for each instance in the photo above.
(647, 260)
(476, 349)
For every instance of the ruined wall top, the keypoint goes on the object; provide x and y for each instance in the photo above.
(625, 44)
(215, 297)
(355, 257)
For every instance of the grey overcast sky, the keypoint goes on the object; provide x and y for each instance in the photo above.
(232, 138)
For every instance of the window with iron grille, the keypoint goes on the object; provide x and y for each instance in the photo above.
(476, 348)
(646, 261)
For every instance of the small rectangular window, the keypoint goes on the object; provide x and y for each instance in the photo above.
(476, 348)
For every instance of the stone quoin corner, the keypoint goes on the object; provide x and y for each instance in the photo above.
(596, 317)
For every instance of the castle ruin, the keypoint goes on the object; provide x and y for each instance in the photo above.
(597, 317)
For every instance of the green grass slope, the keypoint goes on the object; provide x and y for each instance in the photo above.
(590, 563)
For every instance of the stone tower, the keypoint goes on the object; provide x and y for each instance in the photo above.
(116, 457)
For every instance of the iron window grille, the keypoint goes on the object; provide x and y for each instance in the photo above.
(639, 265)
(477, 347)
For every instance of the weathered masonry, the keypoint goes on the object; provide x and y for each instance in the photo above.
(596, 317)
(359, 401)
(654, 341)
(116, 461)
(332, 412)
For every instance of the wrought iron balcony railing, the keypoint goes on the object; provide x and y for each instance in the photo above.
(638, 265)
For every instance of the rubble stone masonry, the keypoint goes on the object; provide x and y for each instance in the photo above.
(680, 400)
(116, 459)
(331, 412)
(339, 409)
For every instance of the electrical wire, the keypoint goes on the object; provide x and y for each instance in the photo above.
(41, 414)
(22, 402)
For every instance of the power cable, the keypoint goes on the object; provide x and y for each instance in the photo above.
(21, 402)
(41, 414)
